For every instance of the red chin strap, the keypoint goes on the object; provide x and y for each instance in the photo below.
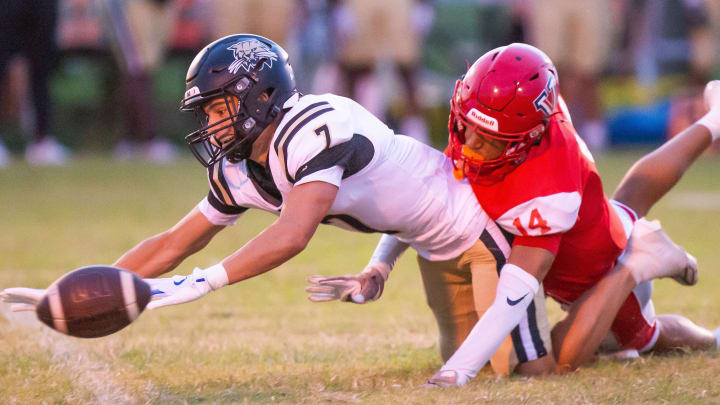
(476, 171)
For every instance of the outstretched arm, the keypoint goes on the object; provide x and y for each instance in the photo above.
(305, 207)
(150, 258)
(163, 252)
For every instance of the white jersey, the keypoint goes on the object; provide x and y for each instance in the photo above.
(386, 183)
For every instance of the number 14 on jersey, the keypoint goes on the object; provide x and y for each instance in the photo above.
(536, 222)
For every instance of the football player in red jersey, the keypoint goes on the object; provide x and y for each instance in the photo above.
(512, 138)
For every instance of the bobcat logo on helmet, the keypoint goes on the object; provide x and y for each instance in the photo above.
(248, 53)
(545, 101)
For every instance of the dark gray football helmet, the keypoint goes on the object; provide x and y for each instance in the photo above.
(244, 66)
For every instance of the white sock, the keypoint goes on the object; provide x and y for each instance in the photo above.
(650, 253)
(716, 332)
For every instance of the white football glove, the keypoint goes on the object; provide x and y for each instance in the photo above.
(21, 298)
(359, 289)
(178, 289)
(166, 286)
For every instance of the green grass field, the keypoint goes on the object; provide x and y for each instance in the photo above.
(262, 341)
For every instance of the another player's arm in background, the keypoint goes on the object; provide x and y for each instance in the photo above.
(163, 252)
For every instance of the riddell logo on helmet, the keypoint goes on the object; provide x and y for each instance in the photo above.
(483, 120)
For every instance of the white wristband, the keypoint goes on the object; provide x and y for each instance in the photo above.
(216, 276)
(711, 121)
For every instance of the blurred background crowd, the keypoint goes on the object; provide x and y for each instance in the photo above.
(106, 76)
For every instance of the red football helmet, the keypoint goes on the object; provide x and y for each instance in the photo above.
(507, 94)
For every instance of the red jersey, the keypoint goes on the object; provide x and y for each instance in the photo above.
(554, 200)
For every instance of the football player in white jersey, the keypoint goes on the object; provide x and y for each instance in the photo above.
(324, 159)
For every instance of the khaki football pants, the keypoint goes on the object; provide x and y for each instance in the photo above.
(460, 290)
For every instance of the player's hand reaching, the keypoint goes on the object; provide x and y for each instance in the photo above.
(165, 291)
(166, 286)
(178, 289)
(359, 289)
(26, 299)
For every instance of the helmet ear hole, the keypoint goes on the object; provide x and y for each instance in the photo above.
(266, 95)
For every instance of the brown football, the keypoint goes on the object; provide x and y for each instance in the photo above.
(93, 301)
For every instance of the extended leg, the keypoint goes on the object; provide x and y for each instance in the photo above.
(678, 332)
(656, 173)
(577, 337)
(449, 295)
